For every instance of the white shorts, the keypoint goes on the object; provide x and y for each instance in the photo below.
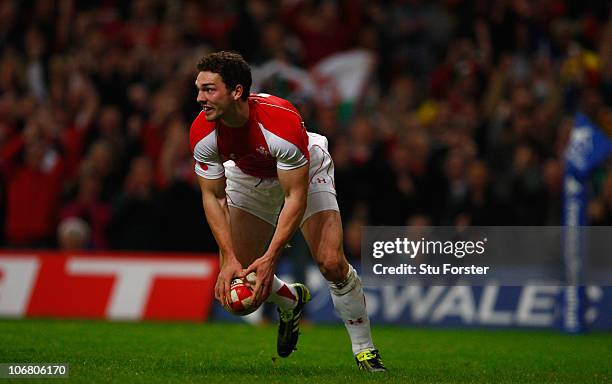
(264, 198)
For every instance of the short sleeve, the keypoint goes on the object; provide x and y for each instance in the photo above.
(207, 162)
(288, 155)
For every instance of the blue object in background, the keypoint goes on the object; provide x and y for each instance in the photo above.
(588, 148)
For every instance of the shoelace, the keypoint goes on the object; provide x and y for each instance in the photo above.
(286, 316)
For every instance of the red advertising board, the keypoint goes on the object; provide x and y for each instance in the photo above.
(119, 286)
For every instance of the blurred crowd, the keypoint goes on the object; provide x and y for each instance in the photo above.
(440, 112)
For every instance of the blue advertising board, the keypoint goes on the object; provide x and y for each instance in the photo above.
(527, 306)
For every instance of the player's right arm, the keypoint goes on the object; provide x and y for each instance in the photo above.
(214, 201)
(211, 177)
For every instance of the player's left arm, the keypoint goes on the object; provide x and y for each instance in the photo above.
(295, 186)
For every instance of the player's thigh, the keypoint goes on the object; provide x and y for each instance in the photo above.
(323, 234)
(250, 235)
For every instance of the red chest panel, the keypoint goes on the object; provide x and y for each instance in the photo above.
(248, 148)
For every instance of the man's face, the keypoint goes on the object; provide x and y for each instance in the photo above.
(213, 95)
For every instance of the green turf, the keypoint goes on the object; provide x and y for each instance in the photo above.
(210, 353)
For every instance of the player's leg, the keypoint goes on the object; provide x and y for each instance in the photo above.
(250, 237)
(322, 229)
(323, 233)
(254, 208)
(254, 205)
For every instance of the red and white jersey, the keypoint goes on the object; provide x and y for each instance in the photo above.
(273, 137)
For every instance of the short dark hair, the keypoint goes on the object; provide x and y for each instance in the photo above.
(232, 68)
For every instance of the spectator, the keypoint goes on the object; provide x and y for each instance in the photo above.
(135, 223)
(32, 169)
(73, 234)
(89, 206)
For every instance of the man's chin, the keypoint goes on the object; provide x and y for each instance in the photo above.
(210, 116)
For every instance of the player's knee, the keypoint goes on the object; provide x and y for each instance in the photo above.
(333, 267)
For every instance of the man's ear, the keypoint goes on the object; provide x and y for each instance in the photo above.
(237, 92)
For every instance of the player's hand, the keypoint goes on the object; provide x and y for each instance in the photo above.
(231, 268)
(264, 268)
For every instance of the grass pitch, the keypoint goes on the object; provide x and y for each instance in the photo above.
(228, 353)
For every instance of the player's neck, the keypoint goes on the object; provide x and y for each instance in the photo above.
(238, 116)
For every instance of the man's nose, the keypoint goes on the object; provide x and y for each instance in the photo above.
(201, 97)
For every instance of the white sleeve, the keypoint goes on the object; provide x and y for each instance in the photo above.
(288, 156)
(207, 161)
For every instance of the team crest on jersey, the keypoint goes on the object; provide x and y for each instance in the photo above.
(262, 151)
